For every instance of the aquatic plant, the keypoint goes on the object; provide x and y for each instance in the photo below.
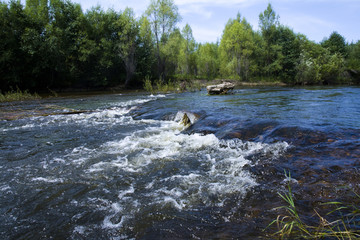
(290, 225)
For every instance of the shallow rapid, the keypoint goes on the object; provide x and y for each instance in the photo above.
(124, 166)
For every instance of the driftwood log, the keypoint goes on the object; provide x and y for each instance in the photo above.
(222, 88)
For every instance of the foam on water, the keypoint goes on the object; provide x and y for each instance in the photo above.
(5, 188)
(115, 114)
(48, 180)
(161, 167)
(155, 166)
(205, 171)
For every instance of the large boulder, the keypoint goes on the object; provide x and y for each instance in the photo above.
(222, 88)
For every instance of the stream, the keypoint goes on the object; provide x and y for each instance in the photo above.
(124, 166)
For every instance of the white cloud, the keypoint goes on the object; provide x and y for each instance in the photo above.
(202, 7)
(313, 27)
(218, 2)
(195, 9)
(305, 21)
(314, 18)
(206, 34)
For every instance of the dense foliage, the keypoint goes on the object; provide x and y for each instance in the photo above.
(53, 44)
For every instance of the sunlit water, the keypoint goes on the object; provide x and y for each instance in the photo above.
(126, 168)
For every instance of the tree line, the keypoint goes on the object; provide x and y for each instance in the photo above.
(53, 44)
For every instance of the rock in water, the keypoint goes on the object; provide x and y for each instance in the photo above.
(222, 88)
(185, 120)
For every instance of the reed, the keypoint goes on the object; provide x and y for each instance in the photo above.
(290, 225)
(18, 95)
(148, 86)
(161, 87)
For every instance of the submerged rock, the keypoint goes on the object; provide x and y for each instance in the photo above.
(222, 88)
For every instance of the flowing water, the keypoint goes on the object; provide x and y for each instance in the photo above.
(124, 166)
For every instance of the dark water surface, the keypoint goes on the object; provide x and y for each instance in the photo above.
(125, 168)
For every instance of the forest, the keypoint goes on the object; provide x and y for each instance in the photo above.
(54, 44)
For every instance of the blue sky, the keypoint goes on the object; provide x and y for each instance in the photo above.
(314, 18)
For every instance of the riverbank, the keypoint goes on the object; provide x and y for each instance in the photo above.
(151, 87)
(238, 84)
(198, 84)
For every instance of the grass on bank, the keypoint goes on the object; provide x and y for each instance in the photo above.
(290, 224)
(171, 86)
(18, 95)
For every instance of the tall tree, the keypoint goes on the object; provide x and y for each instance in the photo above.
(38, 9)
(290, 50)
(353, 61)
(97, 51)
(336, 44)
(163, 16)
(207, 61)
(13, 22)
(269, 23)
(236, 49)
(145, 52)
(128, 42)
(67, 36)
(171, 52)
(187, 60)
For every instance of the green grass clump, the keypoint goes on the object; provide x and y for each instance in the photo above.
(171, 86)
(148, 85)
(291, 226)
(160, 86)
(18, 95)
(165, 87)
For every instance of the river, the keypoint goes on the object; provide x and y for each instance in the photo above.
(124, 167)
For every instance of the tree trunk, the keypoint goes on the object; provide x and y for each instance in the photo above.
(130, 67)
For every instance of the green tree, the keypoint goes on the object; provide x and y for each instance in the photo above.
(353, 61)
(308, 69)
(163, 16)
(290, 53)
(336, 44)
(13, 22)
(171, 51)
(236, 49)
(145, 52)
(98, 61)
(38, 10)
(318, 65)
(187, 57)
(269, 24)
(128, 41)
(332, 68)
(207, 61)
